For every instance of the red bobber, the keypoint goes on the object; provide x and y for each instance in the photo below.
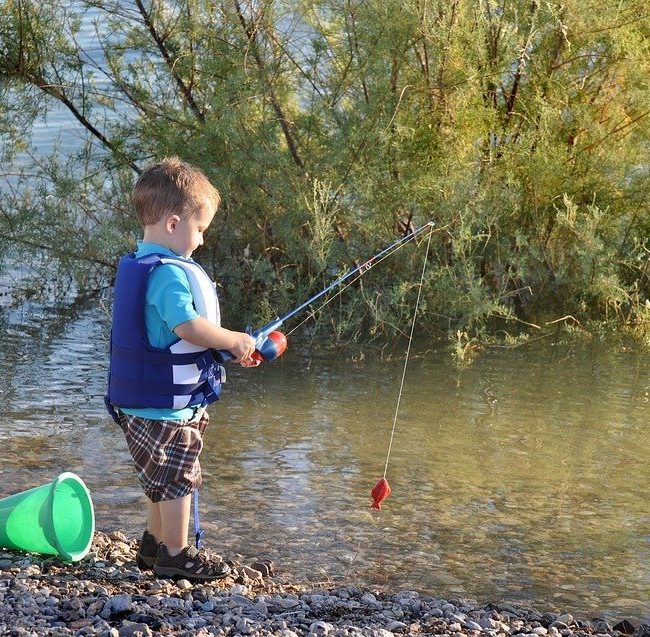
(380, 492)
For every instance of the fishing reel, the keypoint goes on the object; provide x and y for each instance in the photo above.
(272, 347)
(269, 345)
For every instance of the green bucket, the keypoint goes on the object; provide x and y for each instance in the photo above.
(54, 519)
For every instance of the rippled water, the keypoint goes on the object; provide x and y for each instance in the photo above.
(523, 478)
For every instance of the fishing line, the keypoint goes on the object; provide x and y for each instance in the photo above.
(313, 313)
(408, 351)
(270, 343)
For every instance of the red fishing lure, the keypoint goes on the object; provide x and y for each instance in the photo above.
(380, 492)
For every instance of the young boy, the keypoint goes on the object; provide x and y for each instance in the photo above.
(162, 372)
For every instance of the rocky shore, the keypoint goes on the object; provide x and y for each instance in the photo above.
(107, 595)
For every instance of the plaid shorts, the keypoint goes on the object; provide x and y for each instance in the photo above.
(166, 453)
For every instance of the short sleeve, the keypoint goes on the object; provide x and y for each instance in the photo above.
(169, 293)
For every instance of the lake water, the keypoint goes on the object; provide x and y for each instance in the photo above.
(523, 478)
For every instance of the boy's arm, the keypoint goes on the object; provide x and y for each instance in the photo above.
(200, 331)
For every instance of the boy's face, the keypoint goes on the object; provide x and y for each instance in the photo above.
(187, 232)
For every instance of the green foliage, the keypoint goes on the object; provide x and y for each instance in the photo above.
(520, 128)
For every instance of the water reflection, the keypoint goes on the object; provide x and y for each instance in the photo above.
(523, 478)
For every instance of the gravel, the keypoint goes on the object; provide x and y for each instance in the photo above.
(107, 595)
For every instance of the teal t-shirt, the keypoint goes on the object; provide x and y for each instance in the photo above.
(168, 303)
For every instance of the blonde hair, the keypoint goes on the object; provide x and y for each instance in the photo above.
(171, 187)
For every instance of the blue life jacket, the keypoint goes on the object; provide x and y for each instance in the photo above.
(140, 376)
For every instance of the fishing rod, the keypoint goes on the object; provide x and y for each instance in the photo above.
(270, 343)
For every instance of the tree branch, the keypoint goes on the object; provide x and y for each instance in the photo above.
(58, 252)
(521, 65)
(617, 129)
(250, 32)
(59, 94)
(185, 90)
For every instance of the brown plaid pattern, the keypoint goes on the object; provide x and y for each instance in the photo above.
(166, 453)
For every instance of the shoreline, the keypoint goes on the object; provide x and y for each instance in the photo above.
(107, 595)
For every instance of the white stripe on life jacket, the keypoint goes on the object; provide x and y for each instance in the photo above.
(206, 303)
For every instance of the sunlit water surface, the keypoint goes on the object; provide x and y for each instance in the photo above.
(523, 478)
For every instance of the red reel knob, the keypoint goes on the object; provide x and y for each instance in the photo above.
(274, 346)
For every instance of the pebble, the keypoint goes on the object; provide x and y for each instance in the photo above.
(565, 619)
(115, 605)
(106, 595)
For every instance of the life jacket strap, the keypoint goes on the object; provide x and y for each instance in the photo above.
(214, 380)
(111, 410)
(155, 387)
(157, 358)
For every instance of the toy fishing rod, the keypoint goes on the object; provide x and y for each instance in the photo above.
(271, 343)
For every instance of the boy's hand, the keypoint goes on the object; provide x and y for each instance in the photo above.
(250, 362)
(243, 347)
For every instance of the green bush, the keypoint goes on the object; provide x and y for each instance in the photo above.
(520, 128)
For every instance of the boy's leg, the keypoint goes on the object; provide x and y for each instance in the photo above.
(182, 442)
(175, 522)
(151, 538)
(154, 525)
(167, 522)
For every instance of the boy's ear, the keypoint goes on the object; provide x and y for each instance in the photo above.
(172, 223)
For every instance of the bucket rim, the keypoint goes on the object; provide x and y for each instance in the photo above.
(70, 556)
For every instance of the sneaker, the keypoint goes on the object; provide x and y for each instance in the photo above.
(147, 552)
(190, 564)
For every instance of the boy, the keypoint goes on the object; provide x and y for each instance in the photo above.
(162, 372)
